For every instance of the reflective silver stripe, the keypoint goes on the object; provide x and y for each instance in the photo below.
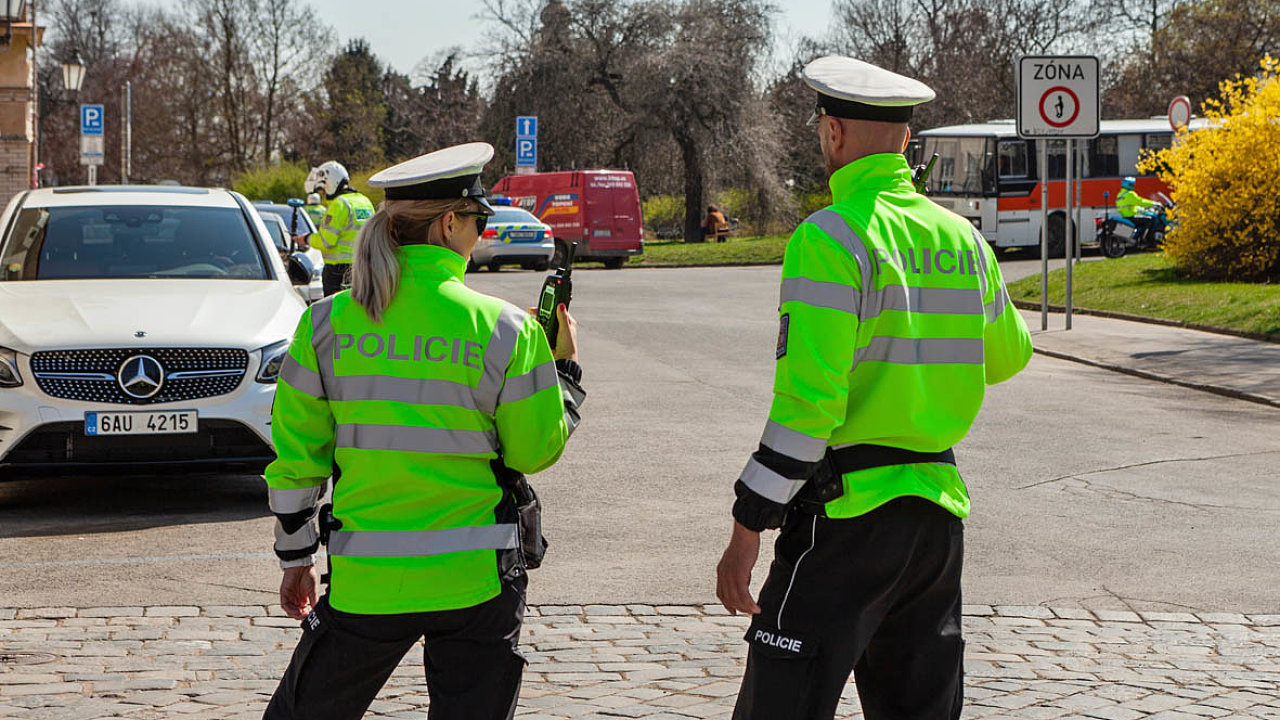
(322, 339)
(286, 501)
(920, 351)
(497, 356)
(573, 397)
(406, 438)
(834, 225)
(374, 543)
(997, 306)
(301, 540)
(820, 294)
(301, 379)
(529, 384)
(941, 301)
(349, 388)
(981, 249)
(327, 226)
(783, 439)
(769, 484)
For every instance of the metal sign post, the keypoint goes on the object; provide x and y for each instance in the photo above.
(1058, 97)
(526, 144)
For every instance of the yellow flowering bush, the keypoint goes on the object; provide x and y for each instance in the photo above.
(1225, 179)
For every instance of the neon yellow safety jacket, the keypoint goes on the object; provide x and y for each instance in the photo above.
(893, 319)
(316, 213)
(407, 415)
(336, 233)
(1130, 204)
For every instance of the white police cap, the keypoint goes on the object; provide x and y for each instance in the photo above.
(447, 174)
(858, 90)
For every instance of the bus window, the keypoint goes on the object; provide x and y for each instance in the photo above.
(965, 165)
(1103, 158)
(1057, 159)
(1130, 148)
(1013, 159)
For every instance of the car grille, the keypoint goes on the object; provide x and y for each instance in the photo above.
(216, 441)
(90, 375)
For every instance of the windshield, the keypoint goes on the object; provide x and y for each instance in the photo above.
(512, 215)
(966, 165)
(134, 241)
(277, 231)
(288, 215)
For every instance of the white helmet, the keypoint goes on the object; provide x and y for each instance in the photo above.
(313, 199)
(314, 181)
(331, 175)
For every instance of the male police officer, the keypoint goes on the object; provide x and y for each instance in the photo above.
(894, 317)
(345, 212)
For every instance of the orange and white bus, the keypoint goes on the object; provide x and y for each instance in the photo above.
(987, 174)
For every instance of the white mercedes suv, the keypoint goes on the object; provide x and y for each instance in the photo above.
(139, 326)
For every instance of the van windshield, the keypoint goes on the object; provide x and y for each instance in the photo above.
(133, 241)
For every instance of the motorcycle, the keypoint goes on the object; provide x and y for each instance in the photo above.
(1116, 235)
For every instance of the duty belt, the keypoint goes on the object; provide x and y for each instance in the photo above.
(827, 483)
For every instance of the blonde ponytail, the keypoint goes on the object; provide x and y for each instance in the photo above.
(375, 267)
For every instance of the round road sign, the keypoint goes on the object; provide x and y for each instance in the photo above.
(1180, 113)
(1059, 106)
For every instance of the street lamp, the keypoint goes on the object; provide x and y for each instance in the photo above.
(11, 11)
(72, 72)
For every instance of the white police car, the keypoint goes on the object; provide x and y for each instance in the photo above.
(140, 325)
(513, 237)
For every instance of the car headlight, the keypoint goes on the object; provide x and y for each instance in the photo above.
(9, 375)
(273, 357)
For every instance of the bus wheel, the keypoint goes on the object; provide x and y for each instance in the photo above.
(1057, 235)
(614, 263)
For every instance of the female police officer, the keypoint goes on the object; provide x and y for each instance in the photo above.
(419, 396)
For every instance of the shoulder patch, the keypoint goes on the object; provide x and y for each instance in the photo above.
(784, 323)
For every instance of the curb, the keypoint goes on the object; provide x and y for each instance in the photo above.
(1262, 337)
(1215, 389)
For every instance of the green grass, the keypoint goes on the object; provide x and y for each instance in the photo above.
(1148, 285)
(766, 250)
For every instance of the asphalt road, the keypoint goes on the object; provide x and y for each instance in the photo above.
(1090, 488)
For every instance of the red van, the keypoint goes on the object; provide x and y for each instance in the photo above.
(598, 209)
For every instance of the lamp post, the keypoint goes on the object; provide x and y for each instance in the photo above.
(73, 72)
(13, 11)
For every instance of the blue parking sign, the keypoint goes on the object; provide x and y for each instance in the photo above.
(91, 119)
(527, 152)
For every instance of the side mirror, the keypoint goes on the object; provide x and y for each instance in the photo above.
(300, 269)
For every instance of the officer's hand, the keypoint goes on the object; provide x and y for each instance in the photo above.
(567, 337)
(733, 574)
(298, 591)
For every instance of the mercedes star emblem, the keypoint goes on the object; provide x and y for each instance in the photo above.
(140, 334)
(140, 376)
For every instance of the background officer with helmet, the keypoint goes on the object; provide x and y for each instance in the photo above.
(1146, 215)
(893, 319)
(346, 210)
(426, 401)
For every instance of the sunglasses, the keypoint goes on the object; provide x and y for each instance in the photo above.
(482, 220)
(818, 112)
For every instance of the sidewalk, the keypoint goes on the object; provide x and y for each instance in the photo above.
(1227, 365)
(638, 661)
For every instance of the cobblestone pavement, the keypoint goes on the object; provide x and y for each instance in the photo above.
(639, 661)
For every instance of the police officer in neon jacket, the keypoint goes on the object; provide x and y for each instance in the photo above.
(893, 320)
(419, 396)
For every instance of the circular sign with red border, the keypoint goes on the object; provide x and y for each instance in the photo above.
(1061, 117)
(1180, 113)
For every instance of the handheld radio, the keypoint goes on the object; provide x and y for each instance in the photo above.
(920, 176)
(557, 290)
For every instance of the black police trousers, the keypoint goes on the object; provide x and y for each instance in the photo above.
(876, 595)
(334, 276)
(471, 658)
